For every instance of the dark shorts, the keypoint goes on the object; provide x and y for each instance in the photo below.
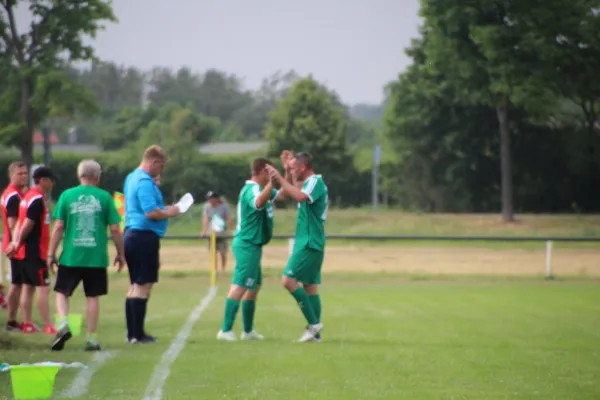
(34, 272)
(220, 244)
(95, 280)
(16, 272)
(142, 256)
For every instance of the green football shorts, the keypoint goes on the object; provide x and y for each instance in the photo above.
(304, 265)
(247, 272)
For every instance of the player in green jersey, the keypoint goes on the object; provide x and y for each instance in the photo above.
(304, 265)
(82, 216)
(254, 230)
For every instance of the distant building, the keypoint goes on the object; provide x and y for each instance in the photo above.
(38, 138)
(232, 147)
(208, 148)
(71, 148)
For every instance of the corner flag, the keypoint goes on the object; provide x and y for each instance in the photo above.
(119, 199)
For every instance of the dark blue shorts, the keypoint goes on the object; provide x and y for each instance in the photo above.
(142, 256)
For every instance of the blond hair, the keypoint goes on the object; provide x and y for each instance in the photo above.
(155, 153)
(14, 165)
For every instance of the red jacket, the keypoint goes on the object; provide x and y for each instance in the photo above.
(11, 199)
(34, 206)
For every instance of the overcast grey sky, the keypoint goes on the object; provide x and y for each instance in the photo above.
(353, 46)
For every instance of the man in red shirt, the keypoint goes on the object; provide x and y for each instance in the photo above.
(30, 246)
(11, 198)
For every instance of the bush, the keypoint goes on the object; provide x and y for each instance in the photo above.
(222, 173)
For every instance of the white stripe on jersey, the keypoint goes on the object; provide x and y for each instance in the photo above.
(312, 182)
(255, 193)
(5, 200)
(39, 196)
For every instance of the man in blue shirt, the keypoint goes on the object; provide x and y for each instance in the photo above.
(146, 220)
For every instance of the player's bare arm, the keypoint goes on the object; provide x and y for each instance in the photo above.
(12, 224)
(264, 196)
(281, 194)
(57, 235)
(205, 223)
(24, 232)
(21, 235)
(160, 214)
(230, 223)
(286, 160)
(12, 219)
(115, 233)
(291, 190)
(13, 227)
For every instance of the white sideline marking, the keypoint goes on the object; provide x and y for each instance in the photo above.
(163, 368)
(80, 385)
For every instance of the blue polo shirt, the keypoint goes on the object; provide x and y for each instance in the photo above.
(143, 196)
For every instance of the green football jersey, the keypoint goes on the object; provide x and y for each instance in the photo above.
(254, 225)
(310, 220)
(87, 211)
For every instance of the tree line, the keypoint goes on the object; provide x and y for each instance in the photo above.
(500, 107)
(224, 110)
(497, 111)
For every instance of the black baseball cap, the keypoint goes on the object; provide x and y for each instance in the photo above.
(212, 195)
(43, 172)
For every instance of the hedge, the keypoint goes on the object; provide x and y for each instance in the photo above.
(223, 173)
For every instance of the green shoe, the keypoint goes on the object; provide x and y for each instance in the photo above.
(92, 346)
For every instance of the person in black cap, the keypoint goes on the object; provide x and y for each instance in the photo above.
(30, 246)
(217, 218)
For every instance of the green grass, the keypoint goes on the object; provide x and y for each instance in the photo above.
(361, 221)
(386, 337)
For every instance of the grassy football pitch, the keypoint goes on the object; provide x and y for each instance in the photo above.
(386, 337)
(403, 320)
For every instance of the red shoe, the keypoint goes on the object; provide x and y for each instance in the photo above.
(29, 327)
(50, 329)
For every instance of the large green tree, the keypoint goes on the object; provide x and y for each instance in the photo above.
(176, 130)
(213, 94)
(173, 119)
(444, 147)
(308, 119)
(252, 116)
(488, 51)
(575, 45)
(115, 86)
(34, 62)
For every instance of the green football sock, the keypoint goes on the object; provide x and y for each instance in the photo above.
(248, 308)
(91, 337)
(304, 303)
(315, 301)
(231, 309)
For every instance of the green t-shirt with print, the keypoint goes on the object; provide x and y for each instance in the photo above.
(87, 212)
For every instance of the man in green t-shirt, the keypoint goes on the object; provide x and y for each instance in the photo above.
(254, 230)
(82, 216)
(304, 265)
